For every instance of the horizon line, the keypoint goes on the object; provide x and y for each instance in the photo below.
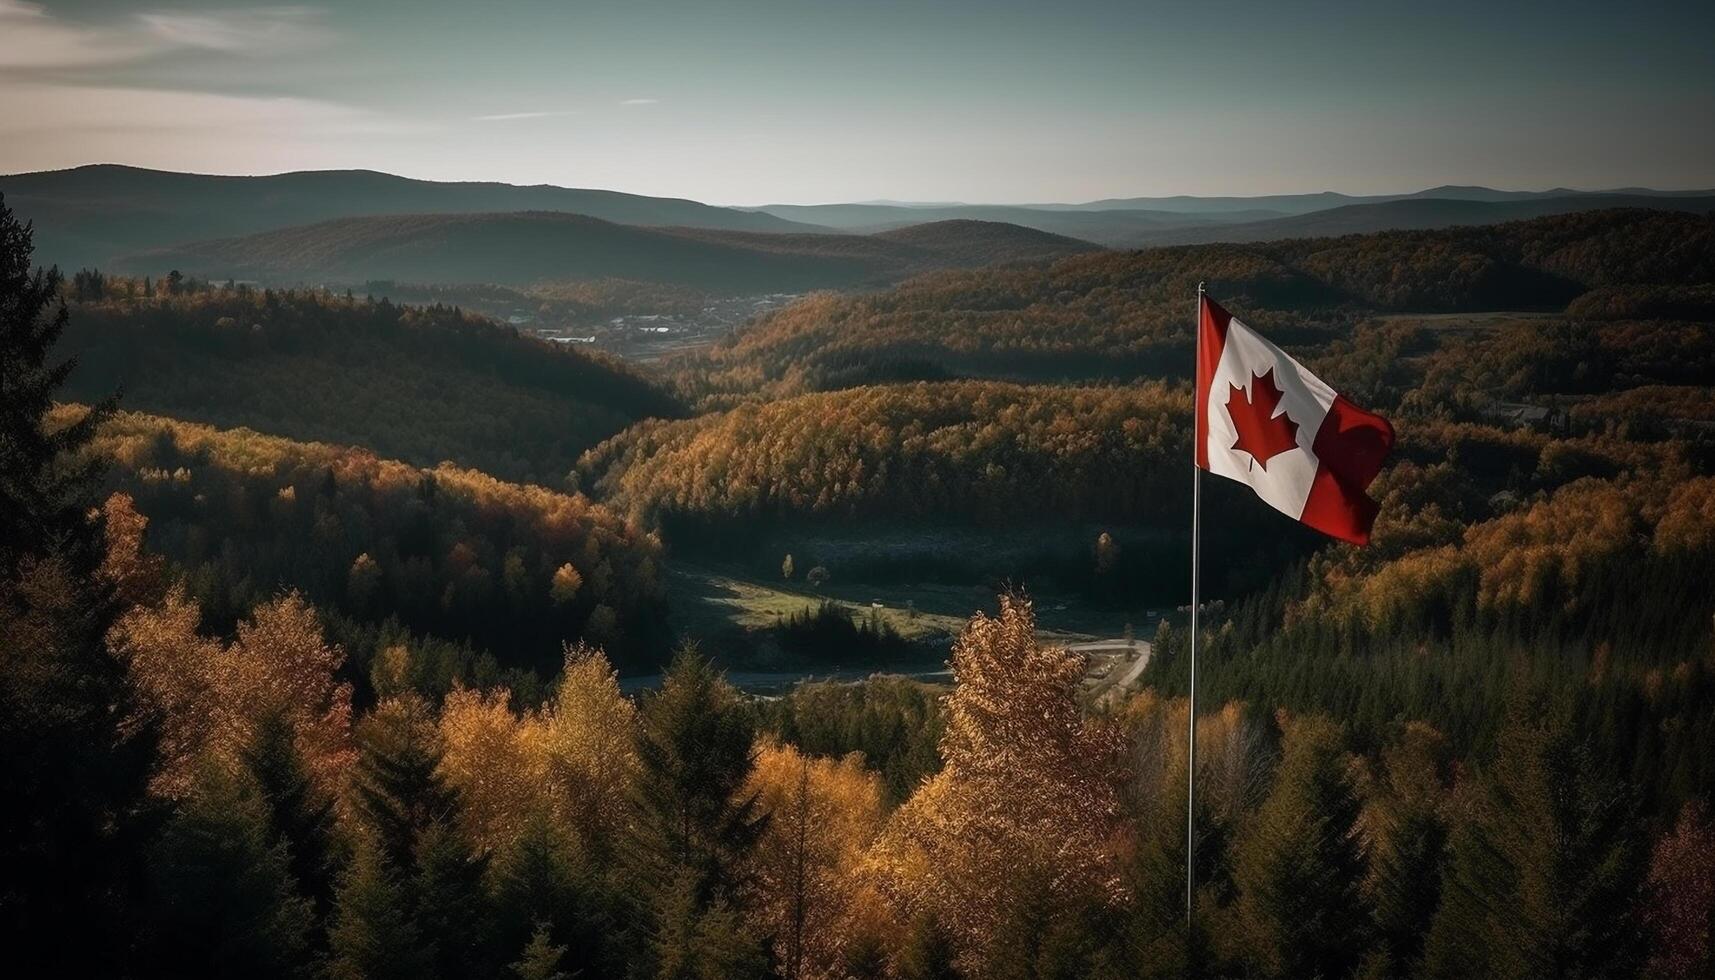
(879, 200)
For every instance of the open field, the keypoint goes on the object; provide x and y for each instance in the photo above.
(720, 606)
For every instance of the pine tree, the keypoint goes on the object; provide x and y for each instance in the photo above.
(396, 788)
(225, 901)
(449, 903)
(297, 814)
(416, 872)
(541, 887)
(1299, 866)
(73, 827)
(374, 934)
(1409, 829)
(694, 821)
(541, 959)
(698, 939)
(1547, 866)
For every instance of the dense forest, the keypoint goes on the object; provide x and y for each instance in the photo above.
(526, 247)
(445, 552)
(286, 708)
(1124, 315)
(304, 364)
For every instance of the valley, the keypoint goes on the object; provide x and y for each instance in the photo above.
(851, 491)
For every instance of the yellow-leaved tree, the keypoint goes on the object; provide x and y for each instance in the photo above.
(490, 758)
(587, 740)
(209, 698)
(1022, 818)
(571, 762)
(824, 813)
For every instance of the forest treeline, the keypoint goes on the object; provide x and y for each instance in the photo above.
(1122, 315)
(310, 365)
(961, 450)
(447, 553)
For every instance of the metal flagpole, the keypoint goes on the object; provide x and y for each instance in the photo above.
(1196, 600)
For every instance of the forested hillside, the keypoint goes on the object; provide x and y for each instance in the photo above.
(1124, 315)
(446, 553)
(522, 248)
(422, 384)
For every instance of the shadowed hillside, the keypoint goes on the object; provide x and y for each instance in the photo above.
(520, 248)
(422, 384)
(966, 242)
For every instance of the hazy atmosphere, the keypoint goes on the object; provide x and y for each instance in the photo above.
(763, 102)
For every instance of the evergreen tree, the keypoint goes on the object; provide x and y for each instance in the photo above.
(695, 823)
(541, 959)
(1547, 867)
(449, 904)
(225, 901)
(396, 788)
(864, 958)
(1300, 867)
(374, 934)
(297, 814)
(541, 888)
(416, 871)
(1409, 830)
(700, 939)
(73, 829)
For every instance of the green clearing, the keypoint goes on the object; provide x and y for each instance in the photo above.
(715, 603)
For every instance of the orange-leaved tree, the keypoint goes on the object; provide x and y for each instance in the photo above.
(1023, 816)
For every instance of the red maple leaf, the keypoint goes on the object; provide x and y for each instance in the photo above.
(1262, 433)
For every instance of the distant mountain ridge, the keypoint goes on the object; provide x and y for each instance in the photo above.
(1136, 222)
(520, 248)
(1418, 214)
(113, 216)
(1288, 204)
(86, 216)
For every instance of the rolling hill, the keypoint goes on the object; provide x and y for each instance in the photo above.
(1122, 315)
(1416, 213)
(1281, 205)
(535, 246)
(971, 242)
(1113, 227)
(420, 384)
(87, 215)
(1140, 222)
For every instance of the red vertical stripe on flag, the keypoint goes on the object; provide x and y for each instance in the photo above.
(1350, 447)
(1211, 340)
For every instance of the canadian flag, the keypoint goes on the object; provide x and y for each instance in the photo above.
(1266, 422)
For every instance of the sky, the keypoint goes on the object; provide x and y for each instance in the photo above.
(806, 101)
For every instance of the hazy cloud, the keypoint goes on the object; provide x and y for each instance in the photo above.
(639, 101)
(32, 40)
(45, 126)
(260, 31)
